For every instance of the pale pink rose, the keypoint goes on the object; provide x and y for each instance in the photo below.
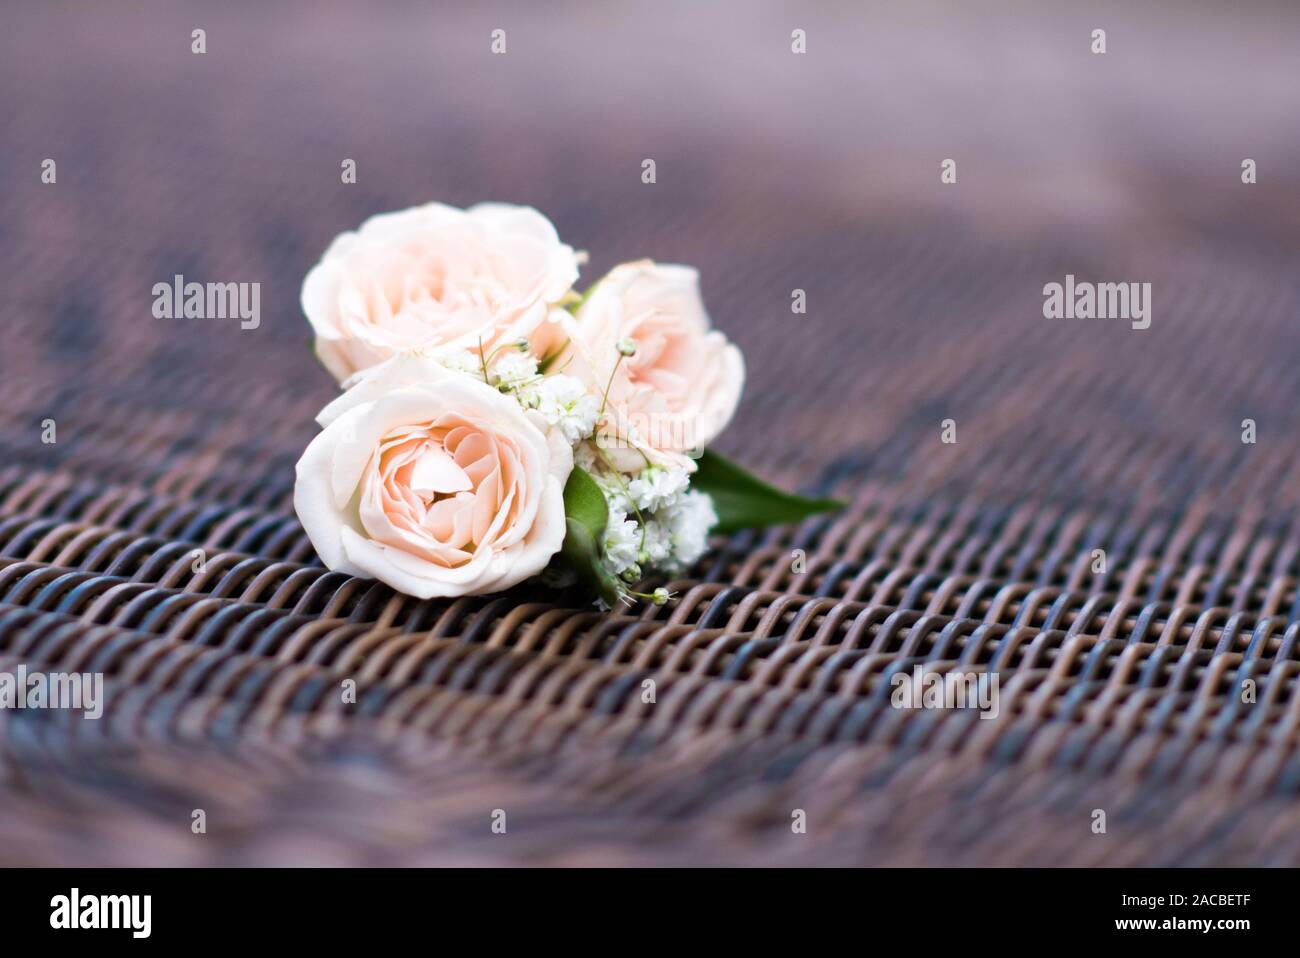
(433, 482)
(435, 278)
(680, 387)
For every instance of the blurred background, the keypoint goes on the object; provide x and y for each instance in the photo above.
(775, 171)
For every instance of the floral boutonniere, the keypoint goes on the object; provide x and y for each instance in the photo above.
(496, 424)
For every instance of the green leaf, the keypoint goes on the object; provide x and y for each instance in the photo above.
(584, 501)
(743, 501)
(586, 513)
(580, 549)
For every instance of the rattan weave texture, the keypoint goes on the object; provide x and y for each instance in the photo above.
(1119, 690)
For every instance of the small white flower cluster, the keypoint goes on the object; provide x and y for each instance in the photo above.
(655, 520)
(560, 400)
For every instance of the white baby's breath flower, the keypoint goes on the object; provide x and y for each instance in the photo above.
(658, 546)
(515, 370)
(622, 542)
(658, 488)
(462, 361)
(564, 402)
(689, 522)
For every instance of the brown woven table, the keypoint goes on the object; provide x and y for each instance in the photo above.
(1120, 690)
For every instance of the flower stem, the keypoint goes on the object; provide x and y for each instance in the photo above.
(605, 398)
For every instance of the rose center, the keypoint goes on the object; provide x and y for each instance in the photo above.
(435, 475)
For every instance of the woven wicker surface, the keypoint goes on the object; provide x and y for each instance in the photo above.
(1119, 690)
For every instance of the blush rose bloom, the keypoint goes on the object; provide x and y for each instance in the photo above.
(680, 387)
(433, 482)
(436, 278)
